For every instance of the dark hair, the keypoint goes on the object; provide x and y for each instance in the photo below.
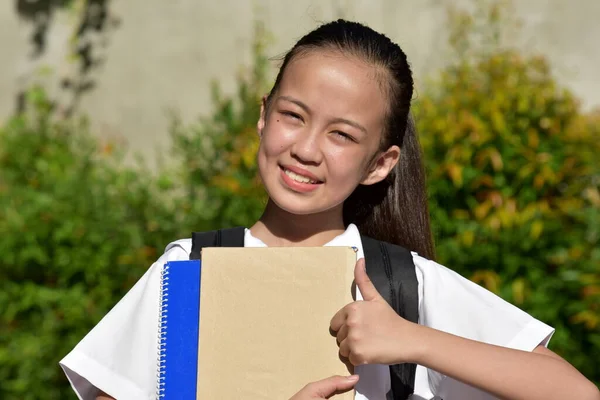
(396, 209)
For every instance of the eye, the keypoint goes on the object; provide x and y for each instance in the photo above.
(291, 114)
(344, 136)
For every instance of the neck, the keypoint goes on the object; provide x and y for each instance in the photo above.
(277, 227)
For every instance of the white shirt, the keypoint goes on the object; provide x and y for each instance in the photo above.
(119, 356)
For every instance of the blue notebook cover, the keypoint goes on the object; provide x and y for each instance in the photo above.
(179, 319)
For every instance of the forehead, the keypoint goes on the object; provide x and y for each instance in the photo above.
(336, 85)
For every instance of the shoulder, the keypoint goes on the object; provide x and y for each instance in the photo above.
(432, 269)
(179, 246)
(443, 288)
(455, 304)
(450, 286)
(130, 324)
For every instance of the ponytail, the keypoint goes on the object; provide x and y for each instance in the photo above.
(396, 210)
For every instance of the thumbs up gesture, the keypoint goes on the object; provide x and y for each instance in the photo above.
(370, 331)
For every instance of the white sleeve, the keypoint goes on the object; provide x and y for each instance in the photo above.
(454, 304)
(119, 355)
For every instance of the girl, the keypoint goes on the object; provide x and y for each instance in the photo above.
(338, 156)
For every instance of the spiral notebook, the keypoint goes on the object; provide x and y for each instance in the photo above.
(251, 323)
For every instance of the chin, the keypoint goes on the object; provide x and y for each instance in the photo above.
(302, 206)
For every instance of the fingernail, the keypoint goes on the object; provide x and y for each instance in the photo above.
(352, 378)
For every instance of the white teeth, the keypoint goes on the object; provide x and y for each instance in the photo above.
(298, 178)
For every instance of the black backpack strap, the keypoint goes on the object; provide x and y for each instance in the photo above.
(392, 271)
(231, 237)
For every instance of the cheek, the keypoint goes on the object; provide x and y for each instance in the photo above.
(347, 165)
(273, 143)
(276, 138)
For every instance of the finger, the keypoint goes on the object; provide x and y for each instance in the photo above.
(326, 388)
(338, 320)
(341, 334)
(363, 282)
(345, 349)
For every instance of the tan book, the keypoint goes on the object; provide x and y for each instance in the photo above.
(264, 320)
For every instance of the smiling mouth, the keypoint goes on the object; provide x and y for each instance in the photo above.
(299, 178)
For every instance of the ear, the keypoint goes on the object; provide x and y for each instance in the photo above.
(260, 125)
(382, 165)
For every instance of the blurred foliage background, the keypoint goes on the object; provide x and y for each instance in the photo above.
(514, 184)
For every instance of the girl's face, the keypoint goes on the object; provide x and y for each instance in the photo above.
(321, 135)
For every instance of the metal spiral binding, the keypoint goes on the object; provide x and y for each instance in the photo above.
(162, 331)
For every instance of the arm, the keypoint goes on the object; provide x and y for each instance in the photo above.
(104, 396)
(503, 372)
(370, 332)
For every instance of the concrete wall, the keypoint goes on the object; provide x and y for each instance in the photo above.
(156, 55)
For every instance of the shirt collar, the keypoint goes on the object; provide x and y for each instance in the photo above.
(349, 238)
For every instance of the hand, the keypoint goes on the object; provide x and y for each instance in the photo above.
(370, 331)
(326, 388)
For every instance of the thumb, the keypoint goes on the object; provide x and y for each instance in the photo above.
(362, 280)
(328, 387)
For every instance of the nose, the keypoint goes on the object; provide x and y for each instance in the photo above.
(307, 148)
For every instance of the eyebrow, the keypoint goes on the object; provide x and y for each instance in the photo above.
(334, 121)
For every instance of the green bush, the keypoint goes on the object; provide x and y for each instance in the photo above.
(216, 156)
(78, 228)
(76, 231)
(514, 185)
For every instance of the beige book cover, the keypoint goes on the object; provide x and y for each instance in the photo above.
(264, 320)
